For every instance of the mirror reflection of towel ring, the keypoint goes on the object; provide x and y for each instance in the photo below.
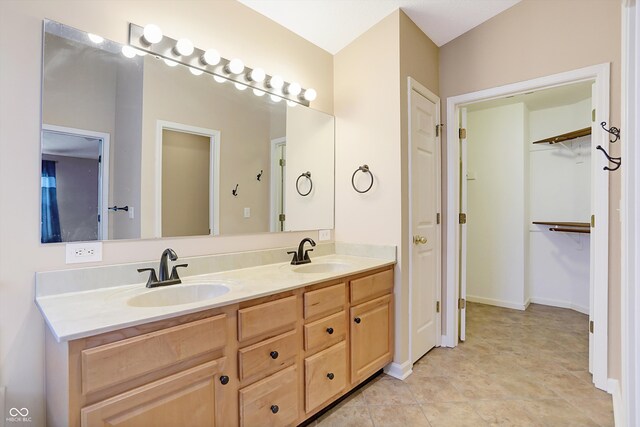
(365, 169)
(307, 175)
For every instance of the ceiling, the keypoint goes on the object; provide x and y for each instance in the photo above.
(333, 24)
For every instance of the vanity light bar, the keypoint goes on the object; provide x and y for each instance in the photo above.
(225, 69)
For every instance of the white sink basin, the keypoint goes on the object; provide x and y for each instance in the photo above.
(178, 294)
(322, 267)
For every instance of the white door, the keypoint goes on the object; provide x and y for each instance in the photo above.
(462, 300)
(425, 230)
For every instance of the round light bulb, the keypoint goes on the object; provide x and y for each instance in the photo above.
(275, 98)
(291, 103)
(211, 57)
(195, 71)
(240, 86)
(184, 47)
(235, 66)
(310, 94)
(152, 33)
(258, 92)
(257, 75)
(219, 79)
(294, 89)
(170, 63)
(95, 38)
(128, 51)
(276, 82)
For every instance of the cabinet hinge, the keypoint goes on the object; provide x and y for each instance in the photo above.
(591, 326)
(593, 221)
(283, 162)
(437, 306)
(462, 218)
(593, 115)
(281, 217)
(438, 218)
(462, 133)
(462, 304)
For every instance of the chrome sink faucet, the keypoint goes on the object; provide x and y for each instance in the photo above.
(302, 256)
(163, 278)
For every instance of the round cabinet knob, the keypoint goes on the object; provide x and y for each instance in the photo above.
(274, 355)
(357, 320)
(224, 380)
(330, 375)
(274, 409)
(330, 331)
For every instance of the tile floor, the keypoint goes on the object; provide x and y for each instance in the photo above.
(517, 368)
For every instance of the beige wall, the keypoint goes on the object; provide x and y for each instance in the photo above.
(232, 28)
(535, 39)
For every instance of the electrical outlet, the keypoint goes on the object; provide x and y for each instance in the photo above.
(132, 213)
(324, 234)
(84, 252)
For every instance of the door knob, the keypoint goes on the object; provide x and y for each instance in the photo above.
(419, 240)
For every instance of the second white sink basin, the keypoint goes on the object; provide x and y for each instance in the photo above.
(322, 267)
(178, 294)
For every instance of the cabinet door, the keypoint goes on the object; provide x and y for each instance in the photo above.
(325, 375)
(371, 339)
(185, 398)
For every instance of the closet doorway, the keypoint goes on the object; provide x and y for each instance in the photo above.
(526, 165)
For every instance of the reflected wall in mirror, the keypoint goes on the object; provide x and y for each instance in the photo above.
(134, 147)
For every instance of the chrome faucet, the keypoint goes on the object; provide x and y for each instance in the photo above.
(302, 256)
(163, 278)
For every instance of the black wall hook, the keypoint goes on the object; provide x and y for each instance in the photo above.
(235, 191)
(615, 160)
(612, 130)
(259, 176)
(116, 208)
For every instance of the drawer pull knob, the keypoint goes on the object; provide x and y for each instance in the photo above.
(330, 331)
(274, 355)
(224, 380)
(274, 409)
(330, 375)
(357, 320)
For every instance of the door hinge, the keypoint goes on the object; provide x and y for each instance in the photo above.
(593, 115)
(98, 217)
(462, 218)
(593, 221)
(591, 326)
(437, 306)
(281, 217)
(100, 158)
(462, 133)
(283, 162)
(438, 129)
(462, 304)
(438, 218)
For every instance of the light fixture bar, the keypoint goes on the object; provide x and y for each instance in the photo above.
(165, 49)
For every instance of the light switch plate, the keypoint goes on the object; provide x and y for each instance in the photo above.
(324, 234)
(84, 252)
(247, 212)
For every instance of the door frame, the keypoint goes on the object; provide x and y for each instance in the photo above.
(103, 167)
(600, 201)
(214, 172)
(273, 200)
(412, 85)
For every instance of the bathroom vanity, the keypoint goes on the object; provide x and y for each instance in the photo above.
(277, 348)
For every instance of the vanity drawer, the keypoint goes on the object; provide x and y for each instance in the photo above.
(326, 331)
(324, 301)
(120, 361)
(268, 317)
(325, 375)
(272, 401)
(268, 356)
(369, 287)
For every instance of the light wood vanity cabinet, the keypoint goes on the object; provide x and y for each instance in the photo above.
(272, 361)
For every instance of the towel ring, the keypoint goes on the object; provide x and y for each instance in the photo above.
(307, 175)
(365, 169)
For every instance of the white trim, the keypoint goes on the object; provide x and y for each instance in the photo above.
(600, 182)
(273, 220)
(104, 168)
(497, 302)
(412, 85)
(399, 371)
(613, 388)
(561, 304)
(214, 172)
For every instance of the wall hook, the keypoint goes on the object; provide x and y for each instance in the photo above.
(235, 191)
(612, 130)
(116, 208)
(615, 160)
(259, 176)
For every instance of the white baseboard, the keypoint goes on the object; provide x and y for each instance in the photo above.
(446, 341)
(561, 304)
(497, 302)
(613, 388)
(399, 371)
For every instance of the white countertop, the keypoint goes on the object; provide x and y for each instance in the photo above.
(80, 314)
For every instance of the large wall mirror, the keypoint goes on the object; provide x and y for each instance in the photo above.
(133, 147)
